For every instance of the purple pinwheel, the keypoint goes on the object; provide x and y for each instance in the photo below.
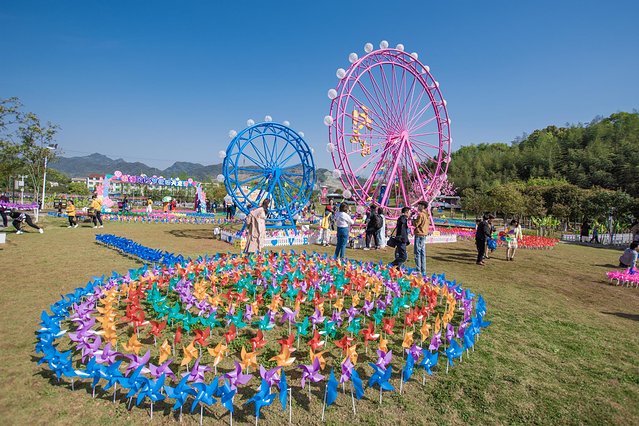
(197, 372)
(368, 307)
(415, 351)
(289, 315)
(311, 372)
(90, 348)
(248, 314)
(236, 377)
(317, 318)
(137, 361)
(157, 371)
(461, 330)
(384, 358)
(450, 332)
(347, 370)
(83, 330)
(352, 313)
(271, 376)
(106, 355)
(435, 342)
(337, 318)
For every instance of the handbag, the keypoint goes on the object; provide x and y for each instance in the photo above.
(392, 242)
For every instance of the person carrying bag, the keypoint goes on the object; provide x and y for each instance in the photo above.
(399, 239)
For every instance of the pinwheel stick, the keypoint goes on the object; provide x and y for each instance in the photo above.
(151, 410)
(201, 413)
(401, 384)
(72, 385)
(290, 406)
(424, 378)
(353, 400)
(380, 395)
(115, 391)
(324, 404)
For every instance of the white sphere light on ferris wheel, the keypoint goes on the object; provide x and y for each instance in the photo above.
(390, 147)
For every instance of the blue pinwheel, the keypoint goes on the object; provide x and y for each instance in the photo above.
(381, 377)
(226, 393)
(407, 371)
(283, 389)
(153, 391)
(262, 398)
(357, 384)
(179, 393)
(204, 394)
(453, 351)
(429, 361)
(331, 389)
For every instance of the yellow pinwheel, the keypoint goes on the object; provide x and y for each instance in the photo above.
(133, 345)
(218, 353)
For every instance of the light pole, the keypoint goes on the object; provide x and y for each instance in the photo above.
(44, 177)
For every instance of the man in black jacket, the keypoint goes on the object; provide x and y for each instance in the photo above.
(401, 234)
(372, 226)
(482, 235)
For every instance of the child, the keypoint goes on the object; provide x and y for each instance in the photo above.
(325, 229)
(514, 234)
(71, 214)
(19, 218)
(96, 205)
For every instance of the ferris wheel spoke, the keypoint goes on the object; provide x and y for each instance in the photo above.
(414, 104)
(387, 85)
(244, 182)
(374, 101)
(418, 116)
(418, 126)
(404, 98)
(259, 153)
(385, 109)
(399, 83)
(378, 111)
(245, 156)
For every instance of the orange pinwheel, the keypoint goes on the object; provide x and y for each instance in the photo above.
(202, 335)
(319, 356)
(355, 300)
(258, 341)
(165, 351)
(231, 334)
(383, 344)
(388, 325)
(425, 330)
(408, 340)
(133, 345)
(369, 333)
(351, 353)
(315, 342)
(438, 324)
(339, 304)
(249, 359)
(189, 353)
(284, 359)
(218, 353)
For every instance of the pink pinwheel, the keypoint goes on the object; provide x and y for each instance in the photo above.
(106, 355)
(311, 372)
(157, 371)
(450, 332)
(271, 376)
(347, 370)
(317, 318)
(435, 342)
(236, 377)
(196, 374)
(384, 358)
(289, 315)
(137, 361)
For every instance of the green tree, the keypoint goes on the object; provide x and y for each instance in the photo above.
(78, 188)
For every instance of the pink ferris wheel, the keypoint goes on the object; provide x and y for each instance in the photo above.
(389, 131)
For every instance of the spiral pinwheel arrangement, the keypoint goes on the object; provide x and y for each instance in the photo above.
(626, 278)
(193, 331)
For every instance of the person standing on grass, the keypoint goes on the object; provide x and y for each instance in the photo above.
(421, 223)
(325, 229)
(149, 206)
(482, 235)
(372, 226)
(4, 200)
(343, 222)
(381, 234)
(256, 228)
(629, 257)
(19, 218)
(585, 231)
(401, 234)
(514, 235)
(96, 205)
(71, 214)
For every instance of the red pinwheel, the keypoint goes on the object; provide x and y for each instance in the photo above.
(388, 326)
(409, 319)
(369, 333)
(288, 342)
(157, 327)
(345, 342)
(178, 335)
(231, 334)
(258, 341)
(315, 342)
(202, 335)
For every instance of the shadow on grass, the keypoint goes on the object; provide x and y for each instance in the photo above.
(633, 317)
(196, 234)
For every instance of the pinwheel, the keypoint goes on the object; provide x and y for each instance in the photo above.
(302, 328)
(231, 334)
(284, 359)
(384, 359)
(388, 326)
(249, 359)
(435, 342)
(407, 371)
(165, 351)
(351, 352)
(345, 342)
(226, 393)
(429, 361)
(453, 351)
(369, 334)
(204, 395)
(133, 345)
(138, 361)
(218, 354)
(381, 378)
(263, 398)
(201, 336)
(354, 326)
(408, 340)
(162, 369)
(196, 374)
(310, 373)
(189, 353)
(236, 377)
(157, 327)
(424, 331)
(317, 318)
(319, 355)
(347, 370)
(266, 323)
(315, 342)
(153, 391)
(288, 342)
(258, 341)
(106, 355)
(134, 383)
(383, 344)
(271, 376)
(450, 332)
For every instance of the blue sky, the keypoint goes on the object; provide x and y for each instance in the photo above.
(164, 81)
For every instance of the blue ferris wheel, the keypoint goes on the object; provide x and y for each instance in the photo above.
(269, 160)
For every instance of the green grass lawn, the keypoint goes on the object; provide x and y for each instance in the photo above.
(562, 348)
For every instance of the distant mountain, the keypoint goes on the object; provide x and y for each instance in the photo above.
(101, 164)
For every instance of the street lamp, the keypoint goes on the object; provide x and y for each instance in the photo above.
(50, 147)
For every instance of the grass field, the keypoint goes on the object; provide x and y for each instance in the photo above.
(562, 348)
